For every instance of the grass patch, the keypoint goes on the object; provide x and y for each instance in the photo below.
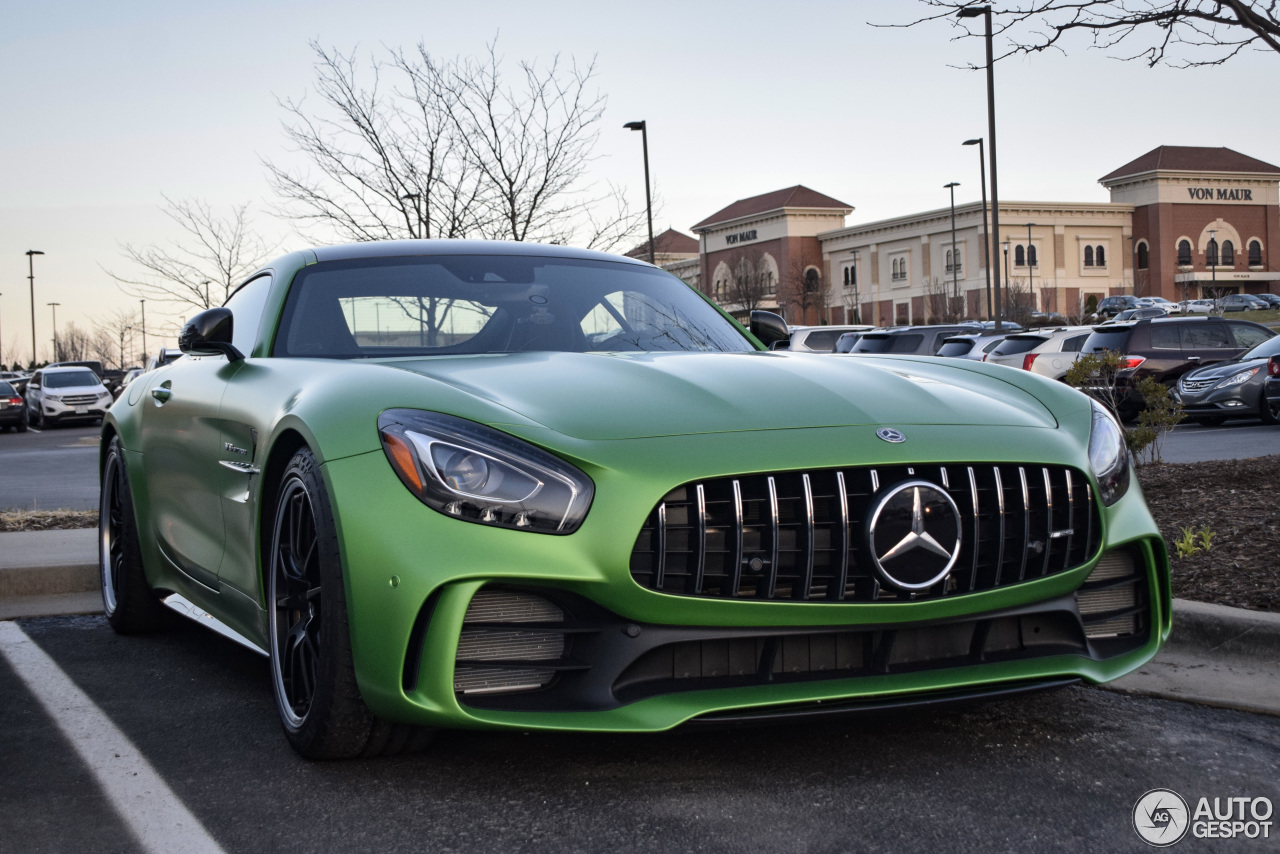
(46, 520)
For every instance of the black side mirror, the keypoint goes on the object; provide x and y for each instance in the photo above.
(769, 327)
(209, 334)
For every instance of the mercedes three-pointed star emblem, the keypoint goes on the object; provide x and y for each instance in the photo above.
(914, 535)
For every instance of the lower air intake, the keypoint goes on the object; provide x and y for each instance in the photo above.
(511, 641)
(1111, 600)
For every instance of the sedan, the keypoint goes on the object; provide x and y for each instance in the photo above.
(1242, 302)
(13, 409)
(509, 486)
(1235, 388)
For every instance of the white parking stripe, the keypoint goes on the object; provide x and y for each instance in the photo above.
(146, 804)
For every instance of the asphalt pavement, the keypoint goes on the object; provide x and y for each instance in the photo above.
(51, 469)
(1235, 440)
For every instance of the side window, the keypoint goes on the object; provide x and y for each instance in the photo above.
(1165, 338)
(1073, 344)
(1248, 336)
(1206, 336)
(906, 343)
(246, 305)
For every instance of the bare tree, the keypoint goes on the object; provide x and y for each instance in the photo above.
(73, 344)
(803, 287)
(201, 269)
(114, 338)
(940, 307)
(450, 149)
(1177, 33)
(749, 283)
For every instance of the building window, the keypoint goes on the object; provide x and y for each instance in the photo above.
(846, 277)
(812, 280)
(1255, 253)
(1184, 253)
(1100, 255)
(1031, 256)
(853, 275)
(1228, 254)
(1019, 256)
(1088, 256)
(1144, 258)
(1211, 253)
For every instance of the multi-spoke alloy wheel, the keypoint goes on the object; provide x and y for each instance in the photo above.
(296, 615)
(127, 599)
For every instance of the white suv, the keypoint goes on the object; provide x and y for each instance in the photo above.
(65, 394)
(819, 339)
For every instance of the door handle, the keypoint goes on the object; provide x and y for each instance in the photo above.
(161, 394)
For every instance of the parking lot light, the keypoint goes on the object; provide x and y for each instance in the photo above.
(31, 278)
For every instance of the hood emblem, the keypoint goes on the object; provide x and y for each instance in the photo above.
(913, 534)
(891, 435)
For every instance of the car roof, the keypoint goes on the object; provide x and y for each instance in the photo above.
(408, 248)
(60, 369)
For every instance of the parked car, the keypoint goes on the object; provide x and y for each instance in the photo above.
(1273, 385)
(129, 376)
(1242, 302)
(17, 379)
(1197, 306)
(164, 356)
(920, 340)
(970, 346)
(1025, 348)
(590, 502)
(60, 394)
(13, 409)
(1111, 306)
(1235, 388)
(1168, 347)
(1160, 302)
(1272, 300)
(819, 339)
(1138, 314)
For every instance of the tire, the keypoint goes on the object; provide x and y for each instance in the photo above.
(312, 668)
(1210, 420)
(38, 420)
(127, 600)
(1265, 411)
(22, 422)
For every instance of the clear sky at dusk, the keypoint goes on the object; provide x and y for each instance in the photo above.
(108, 106)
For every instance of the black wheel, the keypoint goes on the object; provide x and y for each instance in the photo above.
(1210, 420)
(22, 422)
(1267, 410)
(312, 670)
(38, 418)
(127, 600)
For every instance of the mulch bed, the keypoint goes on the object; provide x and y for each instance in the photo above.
(1238, 500)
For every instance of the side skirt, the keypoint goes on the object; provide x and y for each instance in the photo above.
(184, 607)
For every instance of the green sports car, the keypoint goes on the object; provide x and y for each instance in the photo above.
(467, 484)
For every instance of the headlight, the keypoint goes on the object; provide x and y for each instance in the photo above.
(472, 472)
(1237, 379)
(53, 397)
(1108, 455)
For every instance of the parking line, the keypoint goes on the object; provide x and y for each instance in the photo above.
(140, 796)
(34, 430)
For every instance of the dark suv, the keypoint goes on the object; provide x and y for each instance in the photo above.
(1167, 347)
(915, 340)
(1111, 306)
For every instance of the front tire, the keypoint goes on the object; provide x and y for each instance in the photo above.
(1265, 410)
(312, 668)
(127, 600)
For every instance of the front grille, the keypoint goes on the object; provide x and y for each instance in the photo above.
(80, 399)
(801, 536)
(1196, 385)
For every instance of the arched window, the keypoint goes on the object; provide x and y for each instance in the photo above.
(1031, 256)
(1211, 253)
(948, 260)
(1088, 256)
(853, 275)
(846, 277)
(1100, 254)
(1184, 253)
(1144, 258)
(812, 280)
(1255, 253)
(1228, 253)
(1019, 256)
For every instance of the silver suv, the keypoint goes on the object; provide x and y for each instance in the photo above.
(65, 394)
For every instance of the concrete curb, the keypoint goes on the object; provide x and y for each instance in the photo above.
(1225, 631)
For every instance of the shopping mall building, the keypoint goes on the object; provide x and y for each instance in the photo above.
(1182, 223)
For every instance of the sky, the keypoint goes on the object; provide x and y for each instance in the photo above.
(110, 107)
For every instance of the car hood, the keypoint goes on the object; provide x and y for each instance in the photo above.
(599, 396)
(64, 391)
(1222, 370)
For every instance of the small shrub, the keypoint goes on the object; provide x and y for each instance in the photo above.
(1194, 541)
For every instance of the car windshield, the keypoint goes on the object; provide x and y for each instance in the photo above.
(1265, 350)
(1015, 344)
(472, 304)
(956, 347)
(69, 379)
(1107, 339)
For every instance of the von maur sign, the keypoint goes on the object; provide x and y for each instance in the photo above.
(740, 237)
(1221, 194)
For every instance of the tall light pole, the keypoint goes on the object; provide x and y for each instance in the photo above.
(985, 11)
(955, 251)
(206, 284)
(144, 331)
(648, 201)
(1031, 291)
(424, 224)
(1007, 243)
(31, 277)
(982, 176)
(54, 306)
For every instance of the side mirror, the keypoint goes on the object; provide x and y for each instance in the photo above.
(769, 328)
(209, 334)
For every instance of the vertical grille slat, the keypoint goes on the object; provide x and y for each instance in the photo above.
(800, 536)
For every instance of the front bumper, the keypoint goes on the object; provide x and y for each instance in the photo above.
(412, 574)
(1240, 401)
(56, 411)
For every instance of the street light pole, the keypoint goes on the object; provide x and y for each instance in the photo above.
(1007, 243)
(54, 306)
(31, 277)
(955, 252)
(144, 330)
(424, 226)
(648, 201)
(982, 175)
(985, 11)
(206, 284)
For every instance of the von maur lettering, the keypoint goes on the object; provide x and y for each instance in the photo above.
(1223, 194)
